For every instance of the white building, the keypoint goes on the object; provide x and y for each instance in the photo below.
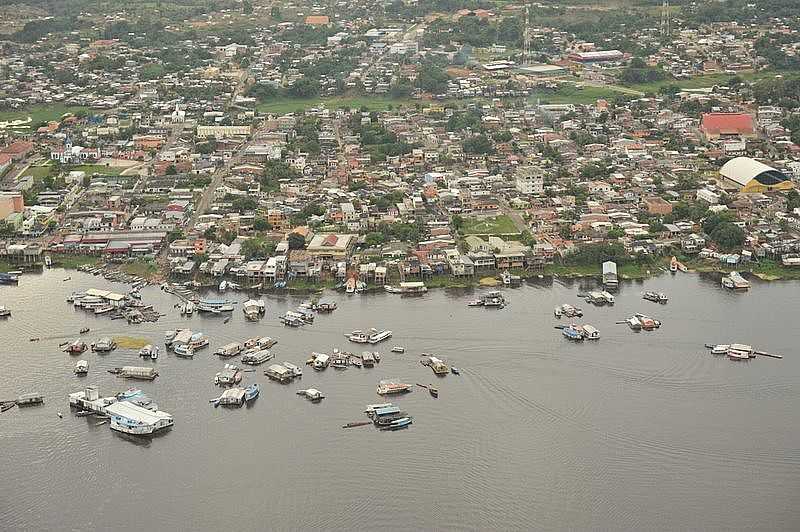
(530, 180)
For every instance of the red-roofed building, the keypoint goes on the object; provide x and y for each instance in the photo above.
(720, 125)
(18, 150)
(318, 20)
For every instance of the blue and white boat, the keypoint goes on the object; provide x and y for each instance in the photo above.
(251, 392)
(401, 423)
(572, 333)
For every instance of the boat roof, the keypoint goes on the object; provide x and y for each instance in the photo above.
(386, 410)
(136, 413)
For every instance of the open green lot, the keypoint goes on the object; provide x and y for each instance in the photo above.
(499, 225)
(703, 81)
(39, 172)
(40, 113)
(285, 105)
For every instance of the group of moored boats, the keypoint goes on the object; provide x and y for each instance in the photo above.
(373, 336)
(639, 322)
(489, 300)
(738, 351)
(579, 332)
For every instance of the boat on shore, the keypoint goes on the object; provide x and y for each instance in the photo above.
(735, 281)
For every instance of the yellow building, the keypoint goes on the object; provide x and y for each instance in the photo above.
(747, 175)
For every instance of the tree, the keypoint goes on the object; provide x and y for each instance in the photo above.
(171, 170)
(296, 241)
(615, 232)
(304, 88)
(210, 233)
(375, 239)
(175, 234)
(261, 224)
(432, 78)
(243, 204)
(711, 223)
(728, 235)
(479, 144)
(792, 200)
(457, 222)
(257, 248)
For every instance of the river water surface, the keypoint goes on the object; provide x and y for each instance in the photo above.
(644, 431)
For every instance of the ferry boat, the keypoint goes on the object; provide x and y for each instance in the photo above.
(590, 333)
(326, 305)
(146, 351)
(169, 337)
(253, 309)
(81, 367)
(358, 337)
(312, 394)
(378, 337)
(390, 387)
(8, 278)
(104, 345)
(494, 300)
(398, 349)
(401, 423)
(370, 409)
(265, 342)
(198, 341)
(229, 375)
(132, 419)
(740, 352)
(294, 371)
(184, 351)
(257, 357)
(600, 297)
(720, 349)
(655, 297)
(735, 281)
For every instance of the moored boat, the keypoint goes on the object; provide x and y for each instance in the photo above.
(81, 367)
(390, 387)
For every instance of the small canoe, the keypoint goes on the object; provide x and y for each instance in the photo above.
(6, 406)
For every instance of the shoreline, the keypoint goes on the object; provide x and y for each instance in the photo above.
(767, 271)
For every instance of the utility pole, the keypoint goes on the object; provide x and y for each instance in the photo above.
(526, 37)
(665, 19)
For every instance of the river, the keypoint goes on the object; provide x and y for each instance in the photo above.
(634, 431)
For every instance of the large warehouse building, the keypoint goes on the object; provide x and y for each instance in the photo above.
(744, 174)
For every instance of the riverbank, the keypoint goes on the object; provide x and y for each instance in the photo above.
(766, 270)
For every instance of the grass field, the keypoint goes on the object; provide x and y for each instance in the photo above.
(373, 103)
(702, 81)
(571, 94)
(40, 113)
(499, 225)
(39, 172)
